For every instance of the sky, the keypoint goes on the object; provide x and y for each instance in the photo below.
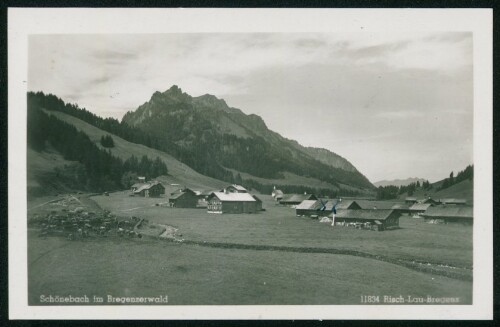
(396, 105)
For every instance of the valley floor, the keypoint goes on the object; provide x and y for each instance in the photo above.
(193, 273)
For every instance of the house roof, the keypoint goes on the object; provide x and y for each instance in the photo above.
(452, 201)
(277, 193)
(309, 205)
(449, 212)
(147, 186)
(177, 195)
(411, 198)
(420, 206)
(400, 206)
(237, 187)
(297, 197)
(137, 185)
(365, 204)
(343, 204)
(256, 198)
(236, 197)
(375, 214)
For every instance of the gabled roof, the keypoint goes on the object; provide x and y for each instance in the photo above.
(411, 198)
(298, 198)
(400, 206)
(237, 187)
(346, 204)
(277, 193)
(256, 198)
(375, 214)
(236, 197)
(136, 185)
(420, 206)
(365, 204)
(309, 205)
(449, 212)
(177, 195)
(147, 186)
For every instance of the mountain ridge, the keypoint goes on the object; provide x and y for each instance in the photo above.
(196, 122)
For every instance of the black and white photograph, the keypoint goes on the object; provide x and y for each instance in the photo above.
(321, 160)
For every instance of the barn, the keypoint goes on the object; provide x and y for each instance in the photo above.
(227, 202)
(450, 214)
(419, 208)
(294, 199)
(183, 198)
(150, 189)
(308, 208)
(379, 219)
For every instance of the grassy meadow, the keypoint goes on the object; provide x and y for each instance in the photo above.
(196, 274)
(278, 226)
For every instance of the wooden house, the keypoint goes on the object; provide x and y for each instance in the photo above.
(183, 198)
(450, 214)
(232, 202)
(379, 219)
(149, 189)
(419, 208)
(308, 208)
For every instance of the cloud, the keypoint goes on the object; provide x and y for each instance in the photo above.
(400, 95)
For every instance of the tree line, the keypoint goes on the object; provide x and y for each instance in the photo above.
(466, 174)
(393, 192)
(99, 169)
(298, 189)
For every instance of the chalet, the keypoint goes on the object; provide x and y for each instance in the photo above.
(232, 202)
(183, 198)
(379, 219)
(453, 201)
(149, 189)
(449, 214)
(294, 199)
(419, 208)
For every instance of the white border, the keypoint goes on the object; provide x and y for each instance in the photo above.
(22, 22)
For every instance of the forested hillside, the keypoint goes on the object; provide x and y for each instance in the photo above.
(95, 169)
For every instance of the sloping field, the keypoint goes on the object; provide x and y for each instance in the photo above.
(462, 190)
(180, 173)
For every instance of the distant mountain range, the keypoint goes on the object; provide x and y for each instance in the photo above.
(399, 182)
